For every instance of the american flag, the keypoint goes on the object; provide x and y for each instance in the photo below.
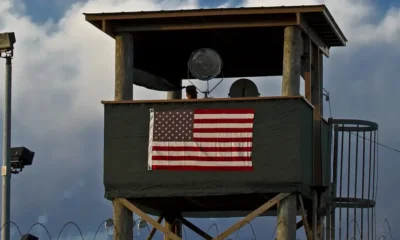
(201, 139)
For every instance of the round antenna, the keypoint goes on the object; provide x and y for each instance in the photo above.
(243, 88)
(205, 64)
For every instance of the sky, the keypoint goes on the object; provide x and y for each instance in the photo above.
(64, 67)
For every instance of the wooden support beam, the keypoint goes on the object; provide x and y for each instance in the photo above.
(252, 215)
(154, 230)
(173, 223)
(286, 229)
(123, 222)
(312, 34)
(291, 61)
(124, 67)
(122, 216)
(107, 28)
(203, 25)
(195, 229)
(148, 219)
(304, 218)
(317, 102)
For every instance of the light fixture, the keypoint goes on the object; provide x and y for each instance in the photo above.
(20, 157)
(243, 88)
(7, 41)
(141, 224)
(205, 64)
(29, 237)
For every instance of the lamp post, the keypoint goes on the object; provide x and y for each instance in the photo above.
(7, 41)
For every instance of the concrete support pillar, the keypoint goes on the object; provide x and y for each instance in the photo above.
(287, 209)
(123, 67)
(123, 222)
(123, 218)
(292, 48)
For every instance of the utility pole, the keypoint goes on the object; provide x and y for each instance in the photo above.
(7, 41)
(5, 171)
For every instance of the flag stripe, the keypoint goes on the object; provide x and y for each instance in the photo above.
(245, 140)
(223, 135)
(203, 168)
(223, 111)
(222, 121)
(224, 116)
(202, 149)
(223, 125)
(205, 144)
(205, 163)
(222, 130)
(201, 153)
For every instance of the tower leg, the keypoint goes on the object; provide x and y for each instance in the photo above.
(173, 224)
(286, 229)
(123, 218)
(123, 222)
(291, 62)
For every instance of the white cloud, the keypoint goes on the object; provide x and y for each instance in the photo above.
(354, 17)
(62, 70)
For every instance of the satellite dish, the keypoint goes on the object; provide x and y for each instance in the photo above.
(205, 64)
(243, 88)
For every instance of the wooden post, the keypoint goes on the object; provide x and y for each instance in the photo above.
(123, 67)
(123, 222)
(287, 209)
(173, 224)
(123, 218)
(292, 48)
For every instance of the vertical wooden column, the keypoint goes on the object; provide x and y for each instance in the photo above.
(172, 224)
(292, 48)
(287, 209)
(317, 101)
(123, 67)
(123, 217)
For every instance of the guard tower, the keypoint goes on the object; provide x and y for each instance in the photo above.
(288, 169)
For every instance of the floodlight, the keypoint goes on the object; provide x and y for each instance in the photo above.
(20, 157)
(142, 224)
(29, 237)
(243, 88)
(205, 64)
(7, 41)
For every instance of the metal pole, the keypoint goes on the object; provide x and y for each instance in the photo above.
(5, 171)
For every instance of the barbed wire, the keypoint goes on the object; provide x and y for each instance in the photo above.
(243, 224)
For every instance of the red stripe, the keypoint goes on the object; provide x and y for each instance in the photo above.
(223, 111)
(198, 158)
(222, 130)
(200, 168)
(231, 120)
(203, 149)
(244, 140)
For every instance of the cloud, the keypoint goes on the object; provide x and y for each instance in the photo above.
(355, 18)
(62, 70)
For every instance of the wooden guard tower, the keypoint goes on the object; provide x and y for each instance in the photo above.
(291, 140)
